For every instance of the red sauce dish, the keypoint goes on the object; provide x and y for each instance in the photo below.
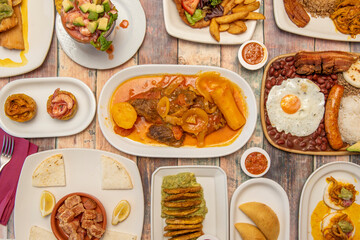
(92, 204)
(255, 162)
(253, 55)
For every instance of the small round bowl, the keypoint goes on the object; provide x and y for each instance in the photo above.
(253, 66)
(251, 150)
(207, 237)
(58, 232)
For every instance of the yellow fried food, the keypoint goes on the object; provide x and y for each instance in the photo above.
(254, 16)
(124, 115)
(264, 218)
(182, 190)
(13, 38)
(214, 30)
(224, 27)
(20, 107)
(181, 232)
(182, 226)
(183, 204)
(61, 105)
(231, 17)
(9, 19)
(239, 1)
(230, 5)
(190, 220)
(181, 213)
(181, 196)
(16, 2)
(249, 232)
(346, 17)
(237, 27)
(246, 8)
(188, 236)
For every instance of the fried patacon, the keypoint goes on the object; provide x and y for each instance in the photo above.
(181, 196)
(20, 107)
(183, 204)
(181, 232)
(180, 213)
(188, 236)
(13, 38)
(190, 220)
(7, 15)
(182, 226)
(183, 190)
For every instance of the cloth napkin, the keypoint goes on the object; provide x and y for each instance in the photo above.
(9, 176)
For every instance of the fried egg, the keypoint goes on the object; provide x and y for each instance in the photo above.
(296, 106)
(352, 75)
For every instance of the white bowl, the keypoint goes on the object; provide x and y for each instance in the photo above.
(251, 150)
(253, 66)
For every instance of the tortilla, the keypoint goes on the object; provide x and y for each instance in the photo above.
(50, 172)
(38, 233)
(8, 22)
(114, 235)
(249, 232)
(13, 38)
(114, 174)
(264, 218)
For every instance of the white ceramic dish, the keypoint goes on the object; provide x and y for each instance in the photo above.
(265, 191)
(255, 66)
(214, 183)
(42, 125)
(139, 149)
(177, 28)
(251, 150)
(126, 41)
(83, 174)
(39, 37)
(313, 190)
(317, 27)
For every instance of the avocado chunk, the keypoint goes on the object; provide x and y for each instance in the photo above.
(92, 7)
(103, 23)
(354, 148)
(97, 2)
(106, 5)
(85, 7)
(67, 5)
(99, 8)
(79, 21)
(92, 26)
(93, 16)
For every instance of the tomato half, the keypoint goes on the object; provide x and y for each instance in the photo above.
(190, 5)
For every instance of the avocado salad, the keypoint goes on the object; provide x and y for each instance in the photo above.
(89, 21)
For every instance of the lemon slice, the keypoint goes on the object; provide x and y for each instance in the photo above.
(121, 212)
(47, 203)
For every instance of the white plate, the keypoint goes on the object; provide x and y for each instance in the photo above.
(83, 174)
(126, 40)
(317, 27)
(40, 29)
(177, 28)
(42, 125)
(265, 191)
(313, 190)
(135, 148)
(214, 183)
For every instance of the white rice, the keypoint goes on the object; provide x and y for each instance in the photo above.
(349, 119)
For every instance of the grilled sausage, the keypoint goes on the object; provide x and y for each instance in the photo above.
(331, 117)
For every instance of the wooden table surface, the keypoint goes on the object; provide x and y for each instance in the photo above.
(289, 170)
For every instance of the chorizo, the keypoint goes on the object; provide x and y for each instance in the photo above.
(331, 117)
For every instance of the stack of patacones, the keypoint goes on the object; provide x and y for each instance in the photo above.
(183, 206)
(11, 33)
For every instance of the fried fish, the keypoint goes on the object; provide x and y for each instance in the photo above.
(182, 190)
(182, 226)
(181, 196)
(184, 204)
(13, 38)
(190, 220)
(181, 232)
(181, 213)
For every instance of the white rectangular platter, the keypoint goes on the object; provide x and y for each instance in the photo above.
(83, 174)
(317, 27)
(214, 183)
(42, 125)
(265, 191)
(313, 191)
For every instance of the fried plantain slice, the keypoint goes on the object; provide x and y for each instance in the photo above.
(190, 220)
(184, 204)
(188, 236)
(181, 232)
(181, 196)
(181, 213)
(182, 226)
(182, 190)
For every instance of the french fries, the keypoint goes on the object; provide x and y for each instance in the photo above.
(236, 13)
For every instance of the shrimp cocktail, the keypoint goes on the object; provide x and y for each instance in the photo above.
(89, 21)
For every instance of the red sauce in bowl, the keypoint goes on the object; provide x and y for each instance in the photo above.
(253, 53)
(256, 163)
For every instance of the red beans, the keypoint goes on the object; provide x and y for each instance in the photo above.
(289, 59)
(271, 71)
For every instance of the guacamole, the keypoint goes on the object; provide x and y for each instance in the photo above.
(5, 10)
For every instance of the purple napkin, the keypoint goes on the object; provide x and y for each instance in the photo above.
(10, 174)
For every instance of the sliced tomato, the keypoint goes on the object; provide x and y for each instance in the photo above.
(190, 5)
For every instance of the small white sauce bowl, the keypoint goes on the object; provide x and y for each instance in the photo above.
(253, 66)
(244, 156)
(207, 237)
